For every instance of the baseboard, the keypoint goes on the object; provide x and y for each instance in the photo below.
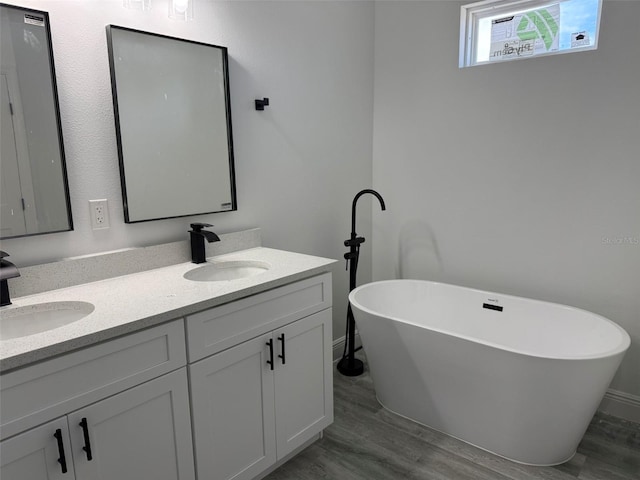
(338, 347)
(621, 404)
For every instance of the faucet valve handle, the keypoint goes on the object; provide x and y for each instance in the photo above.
(350, 256)
(198, 226)
(354, 242)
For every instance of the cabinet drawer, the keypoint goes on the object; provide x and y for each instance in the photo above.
(38, 393)
(222, 327)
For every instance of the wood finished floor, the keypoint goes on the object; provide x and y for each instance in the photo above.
(367, 442)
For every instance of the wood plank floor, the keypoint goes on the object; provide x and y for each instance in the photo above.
(367, 442)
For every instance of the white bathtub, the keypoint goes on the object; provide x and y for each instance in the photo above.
(523, 382)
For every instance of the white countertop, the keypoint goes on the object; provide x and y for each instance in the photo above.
(132, 302)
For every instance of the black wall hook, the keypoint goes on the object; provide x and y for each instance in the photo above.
(260, 104)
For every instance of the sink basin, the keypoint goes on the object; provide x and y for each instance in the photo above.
(31, 319)
(226, 271)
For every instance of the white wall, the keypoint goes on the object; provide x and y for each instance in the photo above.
(504, 177)
(520, 178)
(298, 163)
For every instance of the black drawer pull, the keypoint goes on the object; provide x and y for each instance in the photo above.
(87, 441)
(281, 338)
(62, 460)
(270, 361)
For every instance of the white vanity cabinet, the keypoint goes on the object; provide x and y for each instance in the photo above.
(35, 454)
(243, 386)
(233, 412)
(144, 432)
(138, 433)
(258, 401)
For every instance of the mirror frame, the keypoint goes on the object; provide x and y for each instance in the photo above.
(116, 110)
(54, 91)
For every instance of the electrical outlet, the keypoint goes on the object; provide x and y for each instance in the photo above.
(99, 214)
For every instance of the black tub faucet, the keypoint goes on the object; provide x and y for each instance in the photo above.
(198, 236)
(349, 365)
(7, 270)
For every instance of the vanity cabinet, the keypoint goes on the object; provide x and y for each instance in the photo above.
(233, 412)
(34, 454)
(144, 432)
(139, 432)
(257, 402)
(304, 382)
(244, 386)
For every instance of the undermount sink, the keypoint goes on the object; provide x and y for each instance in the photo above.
(226, 271)
(31, 319)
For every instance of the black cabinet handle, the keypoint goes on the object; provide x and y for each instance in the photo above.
(281, 338)
(270, 361)
(62, 460)
(87, 441)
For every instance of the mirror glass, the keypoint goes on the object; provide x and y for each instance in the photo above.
(173, 125)
(34, 191)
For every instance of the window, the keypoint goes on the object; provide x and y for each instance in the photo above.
(502, 30)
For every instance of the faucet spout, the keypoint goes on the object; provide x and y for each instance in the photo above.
(198, 236)
(355, 201)
(209, 236)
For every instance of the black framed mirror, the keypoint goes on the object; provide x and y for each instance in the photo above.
(173, 125)
(35, 190)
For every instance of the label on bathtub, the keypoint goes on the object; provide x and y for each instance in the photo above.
(225, 206)
(491, 306)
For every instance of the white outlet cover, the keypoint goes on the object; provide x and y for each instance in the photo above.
(99, 211)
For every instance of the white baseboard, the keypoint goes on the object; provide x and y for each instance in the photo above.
(338, 347)
(621, 404)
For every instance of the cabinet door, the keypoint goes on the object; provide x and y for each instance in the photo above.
(141, 433)
(35, 454)
(303, 380)
(232, 399)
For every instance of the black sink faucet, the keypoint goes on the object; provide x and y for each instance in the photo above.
(198, 236)
(7, 270)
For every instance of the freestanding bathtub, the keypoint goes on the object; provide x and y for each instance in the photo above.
(517, 377)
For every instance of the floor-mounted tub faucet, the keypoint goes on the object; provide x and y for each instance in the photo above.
(198, 236)
(349, 365)
(7, 270)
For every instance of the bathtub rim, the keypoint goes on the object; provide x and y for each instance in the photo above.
(620, 349)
